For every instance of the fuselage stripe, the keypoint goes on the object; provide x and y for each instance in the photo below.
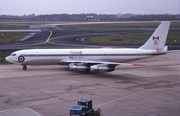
(47, 55)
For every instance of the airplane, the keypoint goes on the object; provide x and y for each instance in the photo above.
(94, 59)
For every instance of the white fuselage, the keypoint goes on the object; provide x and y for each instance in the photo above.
(57, 56)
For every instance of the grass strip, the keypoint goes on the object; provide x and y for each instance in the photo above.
(114, 26)
(12, 27)
(9, 37)
(137, 38)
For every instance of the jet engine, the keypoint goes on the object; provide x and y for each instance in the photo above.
(78, 67)
(101, 68)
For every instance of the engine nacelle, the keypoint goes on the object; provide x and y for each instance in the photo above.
(78, 67)
(99, 68)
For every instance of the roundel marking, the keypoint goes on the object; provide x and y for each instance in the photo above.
(21, 58)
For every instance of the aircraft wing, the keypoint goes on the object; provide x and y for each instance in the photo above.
(90, 63)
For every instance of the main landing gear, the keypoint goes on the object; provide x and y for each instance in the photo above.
(24, 67)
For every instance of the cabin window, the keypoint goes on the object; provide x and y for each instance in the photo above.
(13, 54)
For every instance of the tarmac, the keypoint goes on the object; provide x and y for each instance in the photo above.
(151, 90)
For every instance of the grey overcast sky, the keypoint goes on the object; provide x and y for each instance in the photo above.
(21, 7)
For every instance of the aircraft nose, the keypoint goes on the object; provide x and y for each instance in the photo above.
(8, 59)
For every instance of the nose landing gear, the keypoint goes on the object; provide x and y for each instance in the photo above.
(24, 67)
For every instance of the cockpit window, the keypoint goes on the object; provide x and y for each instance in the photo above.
(13, 55)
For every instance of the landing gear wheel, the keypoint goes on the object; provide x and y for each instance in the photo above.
(24, 67)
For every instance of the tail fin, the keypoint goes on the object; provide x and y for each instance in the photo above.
(158, 38)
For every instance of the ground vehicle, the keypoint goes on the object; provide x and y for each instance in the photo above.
(84, 108)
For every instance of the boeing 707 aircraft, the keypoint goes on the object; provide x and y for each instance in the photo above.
(94, 60)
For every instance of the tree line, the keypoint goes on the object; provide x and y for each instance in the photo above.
(93, 17)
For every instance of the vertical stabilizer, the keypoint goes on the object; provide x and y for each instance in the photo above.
(158, 38)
